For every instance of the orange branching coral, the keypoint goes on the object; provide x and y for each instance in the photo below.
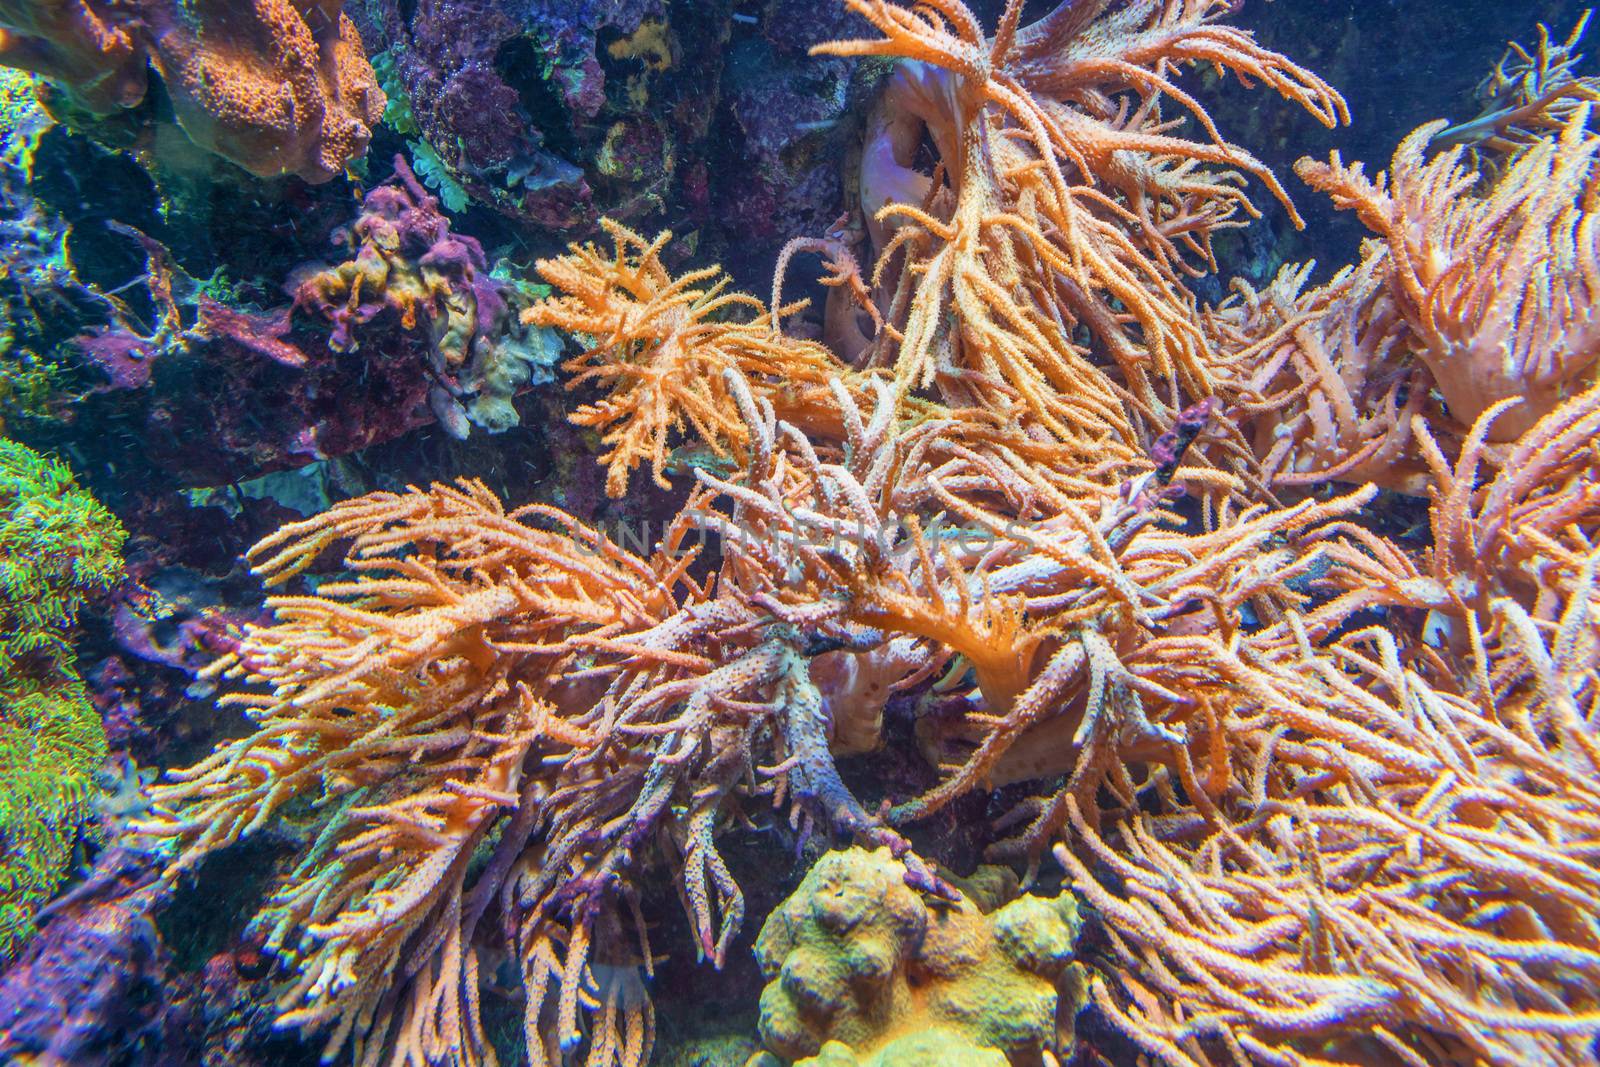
(419, 700)
(276, 86)
(1062, 199)
(1496, 287)
(1406, 876)
(1133, 618)
(1528, 534)
(1332, 379)
(1478, 292)
(513, 683)
(1079, 207)
(516, 685)
(659, 346)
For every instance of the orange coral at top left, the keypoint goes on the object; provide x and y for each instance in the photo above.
(277, 86)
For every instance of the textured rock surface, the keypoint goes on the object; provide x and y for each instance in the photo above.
(705, 117)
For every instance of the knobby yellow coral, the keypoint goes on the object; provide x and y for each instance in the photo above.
(863, 970)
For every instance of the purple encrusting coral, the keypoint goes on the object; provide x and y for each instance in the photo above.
(90, 989)
(403, 258)
(518, 102)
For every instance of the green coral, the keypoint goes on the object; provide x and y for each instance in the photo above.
(397, 110)
(30, 388)
(435, 174)
(57, 545)
(867, 972)
(518, 357)
(397, 115)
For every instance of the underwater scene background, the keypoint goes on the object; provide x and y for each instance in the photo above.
(829, 532)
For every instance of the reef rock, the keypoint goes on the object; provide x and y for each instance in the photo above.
(692, 114)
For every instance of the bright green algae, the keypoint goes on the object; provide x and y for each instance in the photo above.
(57, 545)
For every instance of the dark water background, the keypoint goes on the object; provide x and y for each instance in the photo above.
(1398, 64)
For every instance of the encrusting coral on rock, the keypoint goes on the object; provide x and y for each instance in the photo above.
(865, 970)
(276, 86)
(90, 987)
(405, 259)
(707, 115)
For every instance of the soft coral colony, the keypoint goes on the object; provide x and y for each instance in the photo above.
(1333, 798)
